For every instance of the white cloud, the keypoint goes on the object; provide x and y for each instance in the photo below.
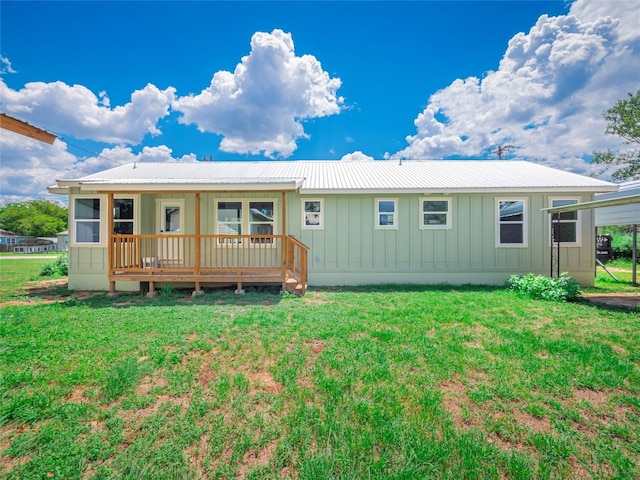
(356, 156)
(548, 94)
(77, 111)
(260, 107)
(29, 166)
(5, 66)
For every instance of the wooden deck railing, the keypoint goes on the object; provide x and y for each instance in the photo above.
(198, 256)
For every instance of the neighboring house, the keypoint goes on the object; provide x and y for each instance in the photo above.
(13, 242)
(36, 245)
(8, 240)
(323, 223)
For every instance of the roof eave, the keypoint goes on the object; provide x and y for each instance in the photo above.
(110, 186)
(455, 190)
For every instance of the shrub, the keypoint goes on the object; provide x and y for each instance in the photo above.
(559, 289)
(58, 268)
(622, 245)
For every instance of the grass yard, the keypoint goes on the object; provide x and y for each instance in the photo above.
(382, 383)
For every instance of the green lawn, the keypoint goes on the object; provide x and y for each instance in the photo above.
(386, 383)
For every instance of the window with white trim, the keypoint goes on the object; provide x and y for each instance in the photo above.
(511, 222)
(313, 213)
(86, 220)
(261, 220)
(435, 212)
(234, 217)
(123, 216)
(386, 213)
(565, 227)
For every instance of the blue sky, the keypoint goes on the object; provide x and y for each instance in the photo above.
(124, 81)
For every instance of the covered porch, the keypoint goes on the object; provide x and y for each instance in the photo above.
(204, 258)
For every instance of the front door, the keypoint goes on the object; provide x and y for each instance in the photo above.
(170, 226)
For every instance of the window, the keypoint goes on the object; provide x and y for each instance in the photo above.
(229, 220)
(257, 217)
(435, 213)
(86, 217)
(386, 212)
(313, 214)
(261, 220)
(565, 227)
(512, 218)
(123, 216)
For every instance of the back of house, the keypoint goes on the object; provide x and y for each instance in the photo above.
(325, 223)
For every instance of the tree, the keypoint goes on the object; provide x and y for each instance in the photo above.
(624, 121)
(35, 218)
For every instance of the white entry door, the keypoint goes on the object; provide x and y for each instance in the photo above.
(170, 224)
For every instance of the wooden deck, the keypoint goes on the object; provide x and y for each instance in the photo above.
(208, 259)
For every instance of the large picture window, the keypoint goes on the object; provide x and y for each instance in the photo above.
(312, 214)
(386, 213)
(512, 226)
(86, 219)
(565, 227)
(238, 217)
(435, 213)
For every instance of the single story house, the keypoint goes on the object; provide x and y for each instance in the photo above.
(319, 223)
(14, 242)
(9, 239)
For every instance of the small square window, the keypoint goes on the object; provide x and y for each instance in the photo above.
(435, 213)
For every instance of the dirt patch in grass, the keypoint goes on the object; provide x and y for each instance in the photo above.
(537, 424)
(253, 459)
(454, 397)
(197, 455)
(316, 347)
(619, 299)
(315, 298)
(149, 382)
(48, 291)
(7, 435)
(263, 381)
(206, 373)
(191, 337)
(597, 398)
(77, 395)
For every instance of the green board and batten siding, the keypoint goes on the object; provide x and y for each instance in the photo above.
(349, 250)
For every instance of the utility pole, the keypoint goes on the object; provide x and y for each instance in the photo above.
(501, 149)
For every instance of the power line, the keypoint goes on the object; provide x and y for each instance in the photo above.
(30, 145)
(501, 149)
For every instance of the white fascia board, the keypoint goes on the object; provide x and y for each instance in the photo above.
(57, 190)
(452, 191)
(188, 187)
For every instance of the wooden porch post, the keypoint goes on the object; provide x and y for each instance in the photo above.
(112, 283)
(196, 271)
(283, 264)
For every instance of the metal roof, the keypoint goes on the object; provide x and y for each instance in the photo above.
(324, 176)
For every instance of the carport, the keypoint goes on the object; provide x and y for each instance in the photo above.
(616, 208)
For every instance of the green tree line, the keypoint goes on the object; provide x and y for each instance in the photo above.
(34, 218)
